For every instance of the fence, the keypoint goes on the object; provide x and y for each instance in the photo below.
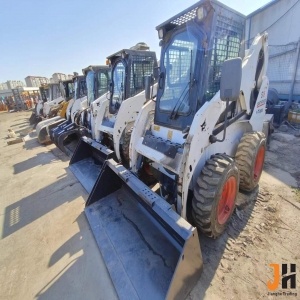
(284, 70)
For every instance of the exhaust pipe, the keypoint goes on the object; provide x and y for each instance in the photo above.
(149, 250)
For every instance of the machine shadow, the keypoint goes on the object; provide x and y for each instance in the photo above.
(40, 159)
(19, 124)
(82, 277)
(38, 204)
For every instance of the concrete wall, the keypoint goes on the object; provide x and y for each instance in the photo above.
(284, 31)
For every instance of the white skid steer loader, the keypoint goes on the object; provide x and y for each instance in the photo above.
(95, 81)
(57, 111)
(114, 115)
(202, 136)
(77, 104)
(51, 96)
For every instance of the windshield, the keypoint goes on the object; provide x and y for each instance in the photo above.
(103, 80)
(179, 64)
(118, 85)
(82, 88)
(90, 83)
(56, 91)
(71, 90)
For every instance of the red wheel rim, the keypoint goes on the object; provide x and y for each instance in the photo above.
(226, 202)
(147, 168)
(260, 158)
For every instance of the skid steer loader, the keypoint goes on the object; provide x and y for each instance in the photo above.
(96, 80)
(78, 104)
(201, 140)
(51, 97)
(115, 114)
(57, 113)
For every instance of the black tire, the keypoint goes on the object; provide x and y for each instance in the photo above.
(218, 171)
(146, 176)
(248, 154)
(125, 145)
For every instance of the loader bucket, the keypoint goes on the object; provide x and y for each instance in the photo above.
(58, 128)
(67, 137)
(88, 160)
(149, 250)
(43, 129)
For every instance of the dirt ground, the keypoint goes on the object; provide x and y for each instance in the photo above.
(47, 250)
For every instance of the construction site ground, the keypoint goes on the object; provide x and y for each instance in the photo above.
(47, 250)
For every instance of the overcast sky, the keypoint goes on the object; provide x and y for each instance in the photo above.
(39, 37)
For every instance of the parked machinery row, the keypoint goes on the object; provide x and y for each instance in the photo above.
(164, 149)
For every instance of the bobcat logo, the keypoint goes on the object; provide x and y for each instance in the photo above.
(203, 125)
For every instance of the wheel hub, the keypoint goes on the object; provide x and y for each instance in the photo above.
(227, 200)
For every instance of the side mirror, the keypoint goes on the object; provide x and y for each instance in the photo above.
(156, 72)
(148, 83)
(231, 78)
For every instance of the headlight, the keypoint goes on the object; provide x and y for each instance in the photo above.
(161, 33)
(201, 13)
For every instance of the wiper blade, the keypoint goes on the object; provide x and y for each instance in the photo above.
(178, 103)
(180, 100)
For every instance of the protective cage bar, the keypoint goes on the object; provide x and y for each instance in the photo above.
(141, 66)
(226, 45)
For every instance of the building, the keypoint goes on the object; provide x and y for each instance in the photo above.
(58, 77)
(280, 18)
(11, 84)
(36, 81)
(3, 86)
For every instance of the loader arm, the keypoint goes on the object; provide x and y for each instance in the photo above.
(69, 109)
(103, 108)
(140, 125)
(250, 62)
(50, 104)
(126, 116)
(95, 108)
(78, 105)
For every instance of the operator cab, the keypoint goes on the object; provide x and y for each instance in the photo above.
(194, 45)
(97, 82)
(67, 89)
(130, 67)
(80, 89)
